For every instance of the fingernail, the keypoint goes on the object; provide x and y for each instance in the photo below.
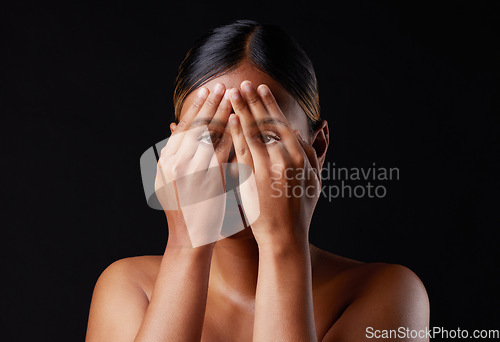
(232, 119)
(235, 94)
(263, 90)
(218, 89)
(226, 94)
(202, 93)
(246, 86)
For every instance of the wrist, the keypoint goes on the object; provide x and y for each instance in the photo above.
(283, 245)
(183, 250)
(280, 233)
(290, 261)
(179, 236)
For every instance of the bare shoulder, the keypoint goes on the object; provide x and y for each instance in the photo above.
(139, 272)
(111, 317)
(332, 268)
(375, 295)
(136, 268)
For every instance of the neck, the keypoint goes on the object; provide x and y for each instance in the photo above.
(234, 266)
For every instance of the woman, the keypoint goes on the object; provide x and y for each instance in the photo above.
(247, 95)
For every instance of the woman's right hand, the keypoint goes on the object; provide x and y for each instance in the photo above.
(190, 181)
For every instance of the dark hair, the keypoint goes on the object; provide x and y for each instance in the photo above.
(264, 46)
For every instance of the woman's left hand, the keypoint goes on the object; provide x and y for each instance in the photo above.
(286, 172)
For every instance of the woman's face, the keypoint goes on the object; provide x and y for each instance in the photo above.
(289, 106)
(295, 115)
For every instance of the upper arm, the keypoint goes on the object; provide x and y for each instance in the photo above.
(393, 297)
(118, 305)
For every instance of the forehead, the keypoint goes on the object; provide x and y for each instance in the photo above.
(233, 79)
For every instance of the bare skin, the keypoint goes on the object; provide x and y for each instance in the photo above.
(266, 282)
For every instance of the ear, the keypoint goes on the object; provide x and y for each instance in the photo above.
(173, 126)
(320, 141)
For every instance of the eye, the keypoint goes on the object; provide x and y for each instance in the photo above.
(209, 138)
(269, 138)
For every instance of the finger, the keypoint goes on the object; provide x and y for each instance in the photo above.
(241, 148)
(214, 113)
(270, 103)
(177, 136)
(288, 138)
(223, 148)
(208, 153)
(206, 114)
(221, 116)
(193, 146)
(199, 148)
(249, 128)
(277, 152)
(210, 106)
(218, 125)
(310, 154)
(198, 128)
(254, 101)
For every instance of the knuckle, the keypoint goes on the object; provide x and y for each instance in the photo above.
(174, 170)
(175, 167)
(253, 100)
(242, 150)
(163, 151)
(163, 164)
(210, 102)
(238, 133)
(238, 106)
(159, 168)
(197, 105)
(269, 101)
(224, 106)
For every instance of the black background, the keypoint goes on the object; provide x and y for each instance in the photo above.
(87, 89)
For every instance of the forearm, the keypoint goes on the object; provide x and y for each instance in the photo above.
(178, 302)
(284, 302)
